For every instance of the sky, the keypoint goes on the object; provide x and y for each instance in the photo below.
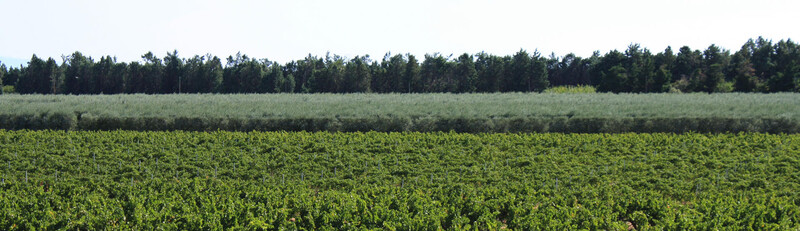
(290, 30)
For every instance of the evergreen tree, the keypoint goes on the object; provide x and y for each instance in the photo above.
(2, 76)
(396, 74)
(537, 79)
(604, 78)
(662, 80)
(134, 79)
(304, 73)
(490, 71)
(117, 80)
(640, 70)
(358, 75)
(465, 74)
(519, 72)
(331, 77)
(11, 77)
(435, 74)
(36, 79)
(412, 75)
(173, 73)
(745, 79)
(274, 79)
(152, 71)
(714, 77)
(212, 81)
(613, 79)
(380, 77)
(686, 62)
(786, 67)
(762, 58)
(665, 59)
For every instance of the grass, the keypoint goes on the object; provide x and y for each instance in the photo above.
(746, 112)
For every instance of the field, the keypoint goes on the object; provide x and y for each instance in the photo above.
(398, 181)
(510, 112)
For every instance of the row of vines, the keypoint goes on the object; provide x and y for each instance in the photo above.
(397, 181)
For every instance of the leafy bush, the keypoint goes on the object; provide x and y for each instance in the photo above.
(572, 89)
(9, 89)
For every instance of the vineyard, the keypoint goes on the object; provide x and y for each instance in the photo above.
(472, 113)
(397, 181)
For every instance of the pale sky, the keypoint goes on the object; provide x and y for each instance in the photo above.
(290, 30)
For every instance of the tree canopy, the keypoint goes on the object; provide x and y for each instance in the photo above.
(761, 65)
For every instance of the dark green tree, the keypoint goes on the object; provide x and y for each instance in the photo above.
(107, 81)
(396, 74)
(330, 77)
(380, 77)
(687, 62)
(203, 74)
(518, 72)
(613, 79)
(212, 77)
(173, 73)
(716, 63)
(11, 77)
(38, 77)
(786, 67)
(117, 79)
(665, 59)
(662, 80)
(640, 66)
(762, 58)
(568, 70)
(745, 79)
(714, 77)
(435, 74)
(2, 75)
(134, 79)
(304, 71)
(465, 74)
(537, 79)
(604, 78)
(412, 75)
(285, 84)
(490, 71)
(153, 70)
(273, 80)
(357, 75)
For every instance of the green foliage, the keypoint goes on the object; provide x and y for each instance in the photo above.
(402, 181)
(465, 73)
(509, 112)
(614, 80)
(759, 66)
(9, 89)
(580, 89)
(39, 77)
(2, 76)
(357, 76)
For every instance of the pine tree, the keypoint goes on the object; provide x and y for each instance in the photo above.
(465, 74)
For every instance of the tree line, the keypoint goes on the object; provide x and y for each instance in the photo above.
(759, 66)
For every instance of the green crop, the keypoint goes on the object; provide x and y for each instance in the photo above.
(397, 181)
(513, 112)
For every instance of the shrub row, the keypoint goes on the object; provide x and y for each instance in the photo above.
(68, 121)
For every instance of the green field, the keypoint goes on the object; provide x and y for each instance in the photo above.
(512, 112)
(397, 181)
